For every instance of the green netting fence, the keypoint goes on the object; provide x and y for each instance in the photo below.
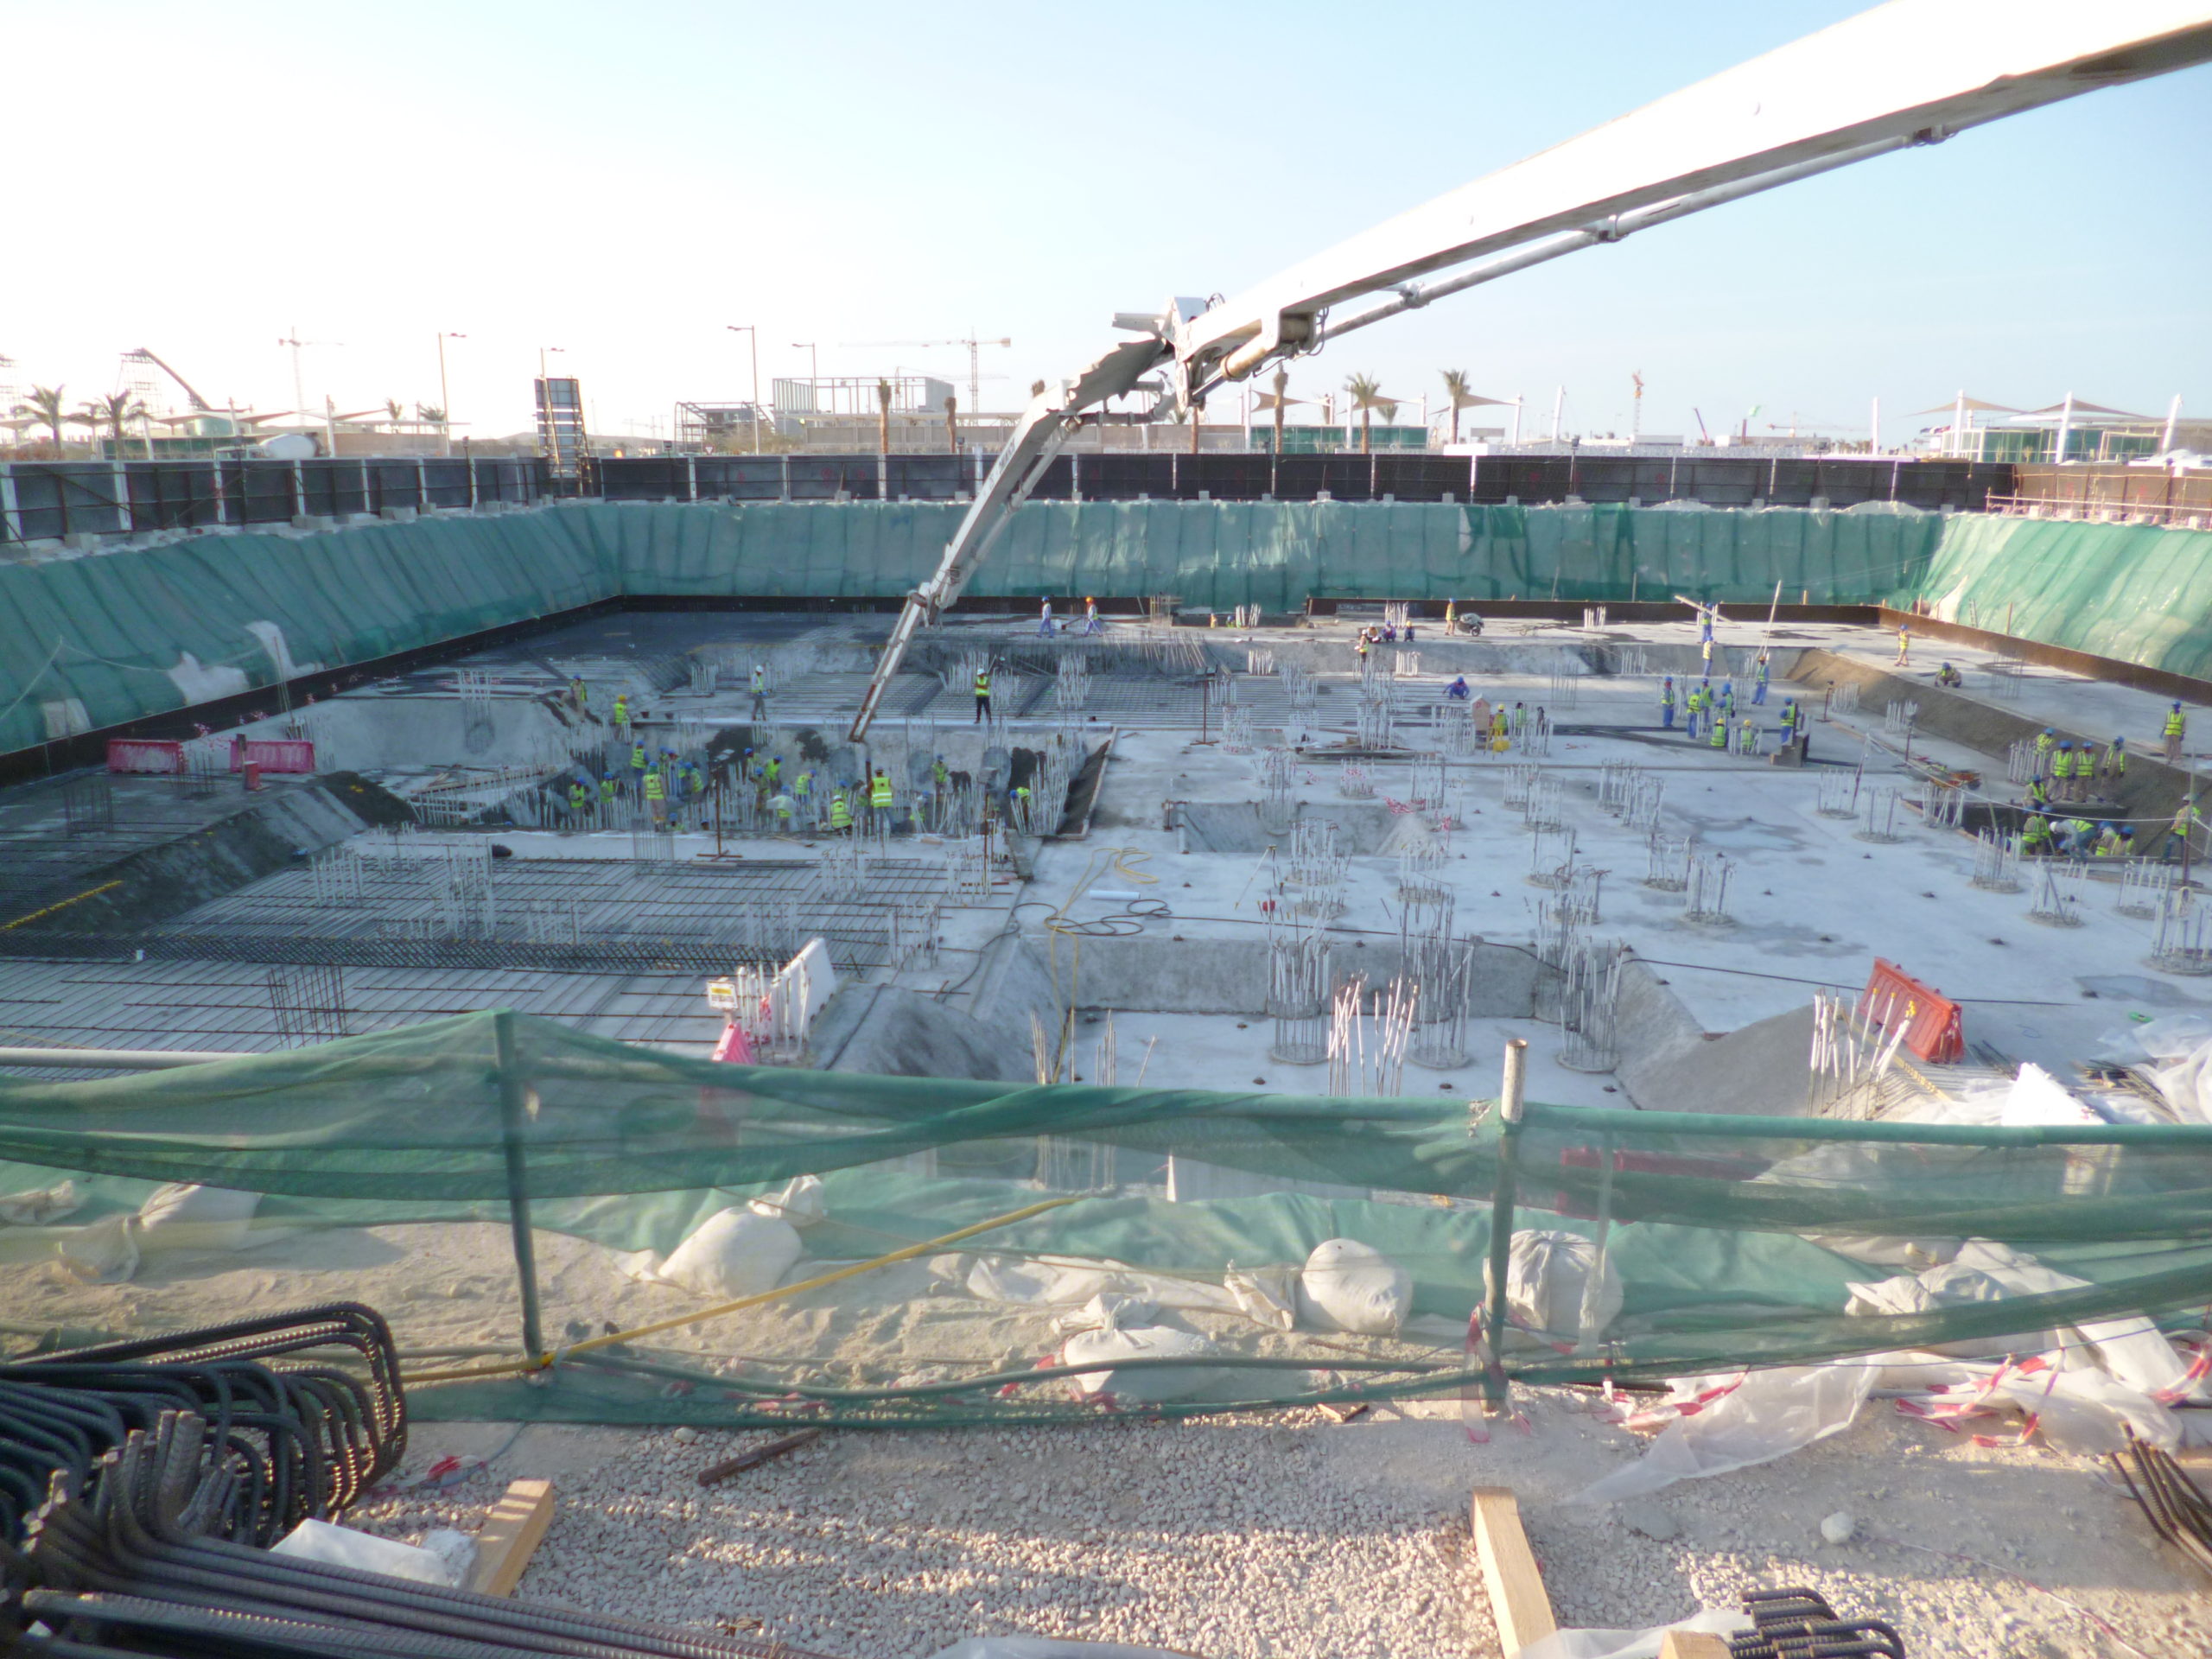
(514, 1196)
(93, 641)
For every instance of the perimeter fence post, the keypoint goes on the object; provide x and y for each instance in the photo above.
(514, 1095)
(1496, 1389)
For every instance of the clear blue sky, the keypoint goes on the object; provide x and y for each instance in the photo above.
(624, 182)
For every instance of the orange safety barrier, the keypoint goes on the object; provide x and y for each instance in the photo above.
(1935, 1025)
(272, 754)
(144, 754)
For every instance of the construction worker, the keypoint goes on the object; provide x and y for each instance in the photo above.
(637, 758)
(2046, 741)
(1045, 620)
(982, 695)
(1705, 619)
(1458, 690)
(1498, 725)
(772, 773)
(2035, 835)
(1451, 613)
(621, 713)
(760, 710)
(1666, 704)
(1758, 682)
(1090, 616)
(1728, 698)
(1904, 646)
(2177, 725)
(1692, 705)
(783, 806)
(1705, 650)
(2115, 763)
(840, 813)
(2062, 772)
(579, 693)
(1719, 738)
(2187, 818)
(1519, 719)
(2073, 836)
(1950, 676)
(2127, 841)
(1747, 737)
(579, 798)
(2038, 793)
(1018, 804)
(879, 799)
(656, 797)
(2108, 841)
(606, 789)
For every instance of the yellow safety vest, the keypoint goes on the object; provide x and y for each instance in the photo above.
(655, 790)
(841, 816)
(982, 685)
(879, 792)
(2175, 724)
(1719, 738)
(2063, 766)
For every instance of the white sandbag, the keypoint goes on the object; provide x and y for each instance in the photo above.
(183, 1217)
(799, 1201)
(1108, 1311)
(40, 1206)
(1631, 1644)
(335, 1546)
(734, 1253)
(1267, 1296)
(105, 1252)
(1149, 1385)
(1072, 1281)
(1763, 1416)
(1556, 1287)
(1348, 1285)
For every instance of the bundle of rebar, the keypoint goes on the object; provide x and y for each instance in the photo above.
(1898, 719)
(1997, 862)
(1843, 697)
(2142, 888)
(1705, 897)
(2175, 1505)
(1838, 795)
(1429, 781)
(1942, 806)
(2057, 900)
(1276, 803)
(1237, 729)
(1543, 810)
(1260, 660)
(1616, 786)
(1849, 1058)
(1298, 964)
(1367, 1052)
(2184, 943)
(1551, 857)
(968, 871)
(1589, 994)
(1668, 868)
(1353, 782)
(1376, 722)
(1421, 872)
(296, 1435)
(140, 1565)
(1877, 817)
(1313, 878)
(1643, 814)
(1072, 681)
(1441, 971)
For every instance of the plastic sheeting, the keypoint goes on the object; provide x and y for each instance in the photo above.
(93, 641)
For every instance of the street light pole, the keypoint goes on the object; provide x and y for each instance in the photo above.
(445, 398)
(752, 331)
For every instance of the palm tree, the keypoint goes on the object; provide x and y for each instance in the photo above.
(1366, 392)
(1457, 389)
(45, 405)
(110, 411)
(395, 409)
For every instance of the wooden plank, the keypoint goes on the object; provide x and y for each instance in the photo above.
(509, 1536)
(1692, 1644)
(1518, 1605)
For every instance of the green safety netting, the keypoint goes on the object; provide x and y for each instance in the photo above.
(402, 1168)
(96, 640)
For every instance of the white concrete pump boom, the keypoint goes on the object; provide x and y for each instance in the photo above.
(1913, 72)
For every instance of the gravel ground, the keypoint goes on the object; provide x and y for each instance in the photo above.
(1293, 1536)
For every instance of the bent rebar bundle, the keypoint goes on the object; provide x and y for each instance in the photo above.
(135, 1566)
(301, 1439)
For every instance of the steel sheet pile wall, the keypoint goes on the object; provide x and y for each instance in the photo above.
(94, 641)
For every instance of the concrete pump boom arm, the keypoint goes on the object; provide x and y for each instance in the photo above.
(1913, 72)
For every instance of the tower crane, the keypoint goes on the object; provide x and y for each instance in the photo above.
(1904, 74)
(975, 359)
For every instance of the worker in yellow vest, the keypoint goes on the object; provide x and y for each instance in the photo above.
(657, 797)
(982, 695)
(879, 799)
(2062, 772)
(621, 713)
(2115, 761)
(1719, 738)
(2177, 725)
(841, 814)
(2186, 819)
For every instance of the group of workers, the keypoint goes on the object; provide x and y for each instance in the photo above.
(1713, 712)
(1046, 627)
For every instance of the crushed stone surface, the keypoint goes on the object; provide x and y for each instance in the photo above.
(1294, 1537)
